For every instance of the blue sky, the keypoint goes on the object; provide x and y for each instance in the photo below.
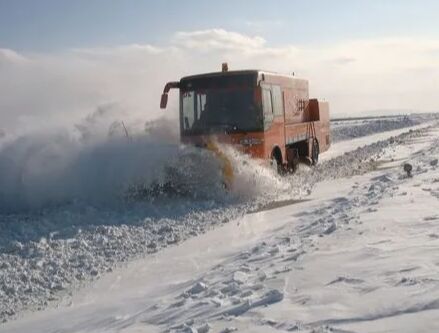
(46, 25)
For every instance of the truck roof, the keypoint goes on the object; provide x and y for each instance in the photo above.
(238, 72)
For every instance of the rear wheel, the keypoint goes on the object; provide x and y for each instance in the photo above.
(293, 159)
(315, 152)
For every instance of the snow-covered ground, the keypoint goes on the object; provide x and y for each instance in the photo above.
(349, 246)
(348, 129)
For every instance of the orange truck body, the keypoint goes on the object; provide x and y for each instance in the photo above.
(266, 115)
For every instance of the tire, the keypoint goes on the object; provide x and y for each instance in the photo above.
(276, 165)
(295, 166)
(315, 152)
(293, 162)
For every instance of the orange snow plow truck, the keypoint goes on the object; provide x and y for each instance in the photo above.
(266, 115)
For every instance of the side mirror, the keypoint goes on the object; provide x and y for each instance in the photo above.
(163, 101)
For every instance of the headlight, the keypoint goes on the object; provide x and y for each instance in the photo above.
(251, 141)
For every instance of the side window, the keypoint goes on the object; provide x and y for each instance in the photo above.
(267, 103)
(188, 110)
(278, 104)
(266, 100)
(201, 104)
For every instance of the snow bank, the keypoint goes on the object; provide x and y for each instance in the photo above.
(342, 130)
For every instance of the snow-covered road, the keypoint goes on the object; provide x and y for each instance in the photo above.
(342, 147)
(360, 254)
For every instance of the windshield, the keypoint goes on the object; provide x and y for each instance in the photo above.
(220, 110)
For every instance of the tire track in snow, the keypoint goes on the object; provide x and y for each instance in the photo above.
(256, 278)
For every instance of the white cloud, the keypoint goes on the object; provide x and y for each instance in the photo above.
(39, 89)
(10, 57)
(213, 39)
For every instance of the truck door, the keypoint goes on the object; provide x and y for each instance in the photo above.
(274, 117)
(279, 115)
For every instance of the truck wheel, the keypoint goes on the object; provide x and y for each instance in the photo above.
(276, 162)
(295, 165)
(293, 160)
(315, 152)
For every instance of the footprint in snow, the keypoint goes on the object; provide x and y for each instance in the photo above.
(229, 330)
(342, 279)
(197, 288)
(271, 297)
(330, 229)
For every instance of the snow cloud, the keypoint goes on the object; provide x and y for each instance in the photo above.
(44, 89)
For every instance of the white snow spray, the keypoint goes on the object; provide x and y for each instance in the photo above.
(105, 161)
(41, 170)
